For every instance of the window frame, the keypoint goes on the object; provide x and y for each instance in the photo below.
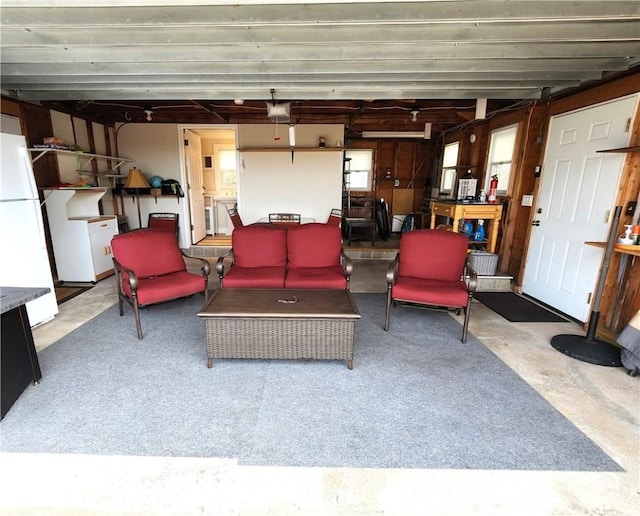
(493, 165)
(449, 170)
(349, 171)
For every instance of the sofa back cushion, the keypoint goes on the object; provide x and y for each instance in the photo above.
(259, 245)
(314, 245)
(432, 254)
(148, 252)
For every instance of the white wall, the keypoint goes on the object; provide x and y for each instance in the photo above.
(270, 182)
(308, 183)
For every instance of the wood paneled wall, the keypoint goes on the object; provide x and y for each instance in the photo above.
(411, 164)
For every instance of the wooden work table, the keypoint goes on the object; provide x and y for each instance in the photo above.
(490, 213)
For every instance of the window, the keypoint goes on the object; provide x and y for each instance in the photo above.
(226, 167)
(449, 170)
(358, 171)
(500, 157)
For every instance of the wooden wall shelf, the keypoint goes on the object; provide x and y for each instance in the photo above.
(89, 157)
(633, 250)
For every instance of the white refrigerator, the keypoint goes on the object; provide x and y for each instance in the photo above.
(24, 260)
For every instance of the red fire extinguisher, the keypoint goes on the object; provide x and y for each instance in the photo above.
(493, 189)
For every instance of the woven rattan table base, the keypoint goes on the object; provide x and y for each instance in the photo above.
(252, 323)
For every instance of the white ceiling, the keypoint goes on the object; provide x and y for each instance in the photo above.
(186, 49)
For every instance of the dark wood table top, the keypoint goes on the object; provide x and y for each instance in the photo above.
(281, 303)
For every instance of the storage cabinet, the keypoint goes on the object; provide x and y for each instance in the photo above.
(490, 213)
(100, 234)
(81, 237)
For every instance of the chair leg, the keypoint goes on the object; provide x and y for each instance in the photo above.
(136, 314)
(465, 326)
(387, 318)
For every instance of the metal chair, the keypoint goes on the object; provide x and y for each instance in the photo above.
(151, 268)
(285, 219)
(335, 217)
(431, 270)
(235, 218)
(165, 221)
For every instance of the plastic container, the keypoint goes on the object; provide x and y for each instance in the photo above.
(485, 264)
(479, 234)
(467, 227)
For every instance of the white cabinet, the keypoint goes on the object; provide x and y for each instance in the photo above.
(81, 237)
(100, 234)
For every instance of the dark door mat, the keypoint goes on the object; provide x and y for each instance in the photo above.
(516, 308)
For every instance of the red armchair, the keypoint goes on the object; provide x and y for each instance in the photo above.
(431, 270)
(151, 269)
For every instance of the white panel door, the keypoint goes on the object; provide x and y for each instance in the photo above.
(577, 192)
(195, 190)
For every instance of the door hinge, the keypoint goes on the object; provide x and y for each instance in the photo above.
(606, 216)
(628, 126)
(589, 298)
(191, 227)
(186, 142)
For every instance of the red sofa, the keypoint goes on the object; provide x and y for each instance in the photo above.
(271, 256)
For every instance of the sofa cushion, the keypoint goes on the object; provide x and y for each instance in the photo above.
(313, 245)
(316, 277)
(259, 245)
(254, 277)
(148, 252)
(157, 289)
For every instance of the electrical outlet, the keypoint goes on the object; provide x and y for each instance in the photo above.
(631, 208)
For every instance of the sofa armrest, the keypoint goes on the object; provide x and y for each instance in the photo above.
(347, 266)
(347, 263)
(205, 266)
(220, 264)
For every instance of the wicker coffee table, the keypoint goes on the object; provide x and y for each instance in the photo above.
(280, 324)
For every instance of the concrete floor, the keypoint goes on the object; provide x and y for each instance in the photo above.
(603, 402)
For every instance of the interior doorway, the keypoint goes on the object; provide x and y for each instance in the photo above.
(210, 172)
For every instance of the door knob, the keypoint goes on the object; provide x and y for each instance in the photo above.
(535, 223)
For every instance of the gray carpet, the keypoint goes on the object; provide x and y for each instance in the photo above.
(416, 398)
